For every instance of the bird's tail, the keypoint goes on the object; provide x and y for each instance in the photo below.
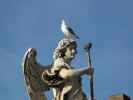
(77, 37)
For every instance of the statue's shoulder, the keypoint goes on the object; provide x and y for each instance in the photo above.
(59, 64)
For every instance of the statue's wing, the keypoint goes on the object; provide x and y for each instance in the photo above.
(32, 74)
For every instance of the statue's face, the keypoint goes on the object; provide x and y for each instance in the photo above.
(70, 52)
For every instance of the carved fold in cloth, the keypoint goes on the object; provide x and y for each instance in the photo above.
(52, 79)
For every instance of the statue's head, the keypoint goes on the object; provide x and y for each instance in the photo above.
(66, 49)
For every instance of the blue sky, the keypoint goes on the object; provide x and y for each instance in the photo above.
(36, 23)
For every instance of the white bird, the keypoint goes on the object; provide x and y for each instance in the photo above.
(69, 33)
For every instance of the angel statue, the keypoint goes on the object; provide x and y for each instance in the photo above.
(60, 76)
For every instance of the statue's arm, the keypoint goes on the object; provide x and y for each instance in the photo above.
(71, 73)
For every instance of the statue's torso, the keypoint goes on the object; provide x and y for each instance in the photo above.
(71, 89)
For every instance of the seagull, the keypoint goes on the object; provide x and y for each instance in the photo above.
(68, 31)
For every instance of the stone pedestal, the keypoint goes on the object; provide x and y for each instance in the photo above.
(119, 97)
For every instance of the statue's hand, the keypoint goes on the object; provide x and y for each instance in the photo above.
(90, 71)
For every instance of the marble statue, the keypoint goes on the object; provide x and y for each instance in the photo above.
(61, 77)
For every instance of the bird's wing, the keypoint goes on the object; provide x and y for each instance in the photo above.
(71, 30)
(32, 74)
